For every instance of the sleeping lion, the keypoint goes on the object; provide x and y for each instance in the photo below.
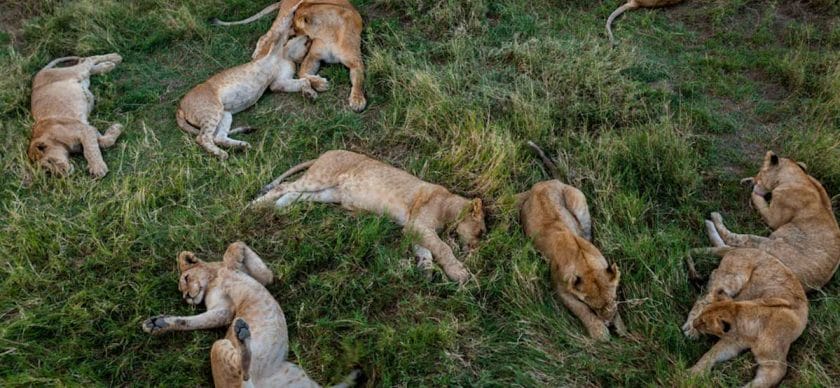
(753, 302)
(253, 352)
(556, 217)
(358, 182)
(805, 235)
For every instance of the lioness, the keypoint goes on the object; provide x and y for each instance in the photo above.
(358, 182)
(556, 217)
(805, 235)
(633, 4)
(335, 28)
(254, 350)
(61, 103)
(207, 110)
(753, 302)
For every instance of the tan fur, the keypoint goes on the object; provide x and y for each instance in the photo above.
(335, 28)
(556, 217)
(61, 103)
(207, 110)
(254, 350)
(634, 4)
(358, 182)
(753, 302)
(805, 235)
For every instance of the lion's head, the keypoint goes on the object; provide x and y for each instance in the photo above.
(774, 172)
(471, 226)
(718, 318)
(597, 287)
(195, 277)
(50, 154)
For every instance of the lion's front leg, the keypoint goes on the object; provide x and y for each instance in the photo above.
(441, 252)
(210, 319)
(240, 256)
(721, 351)
(595, 326)
(735, 239)
(90, 147)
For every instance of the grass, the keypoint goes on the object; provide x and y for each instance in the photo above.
(657, 132)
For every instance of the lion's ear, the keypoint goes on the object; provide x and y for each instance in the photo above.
(477, 210)
(771, 159)
(803, 166)
(725, 326)
(614, 273)
(574, 282)
(187, 261)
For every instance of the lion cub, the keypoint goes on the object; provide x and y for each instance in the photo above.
(358, 182)
(207, 110)
(753, 302)
(556, 217)
(805, 235)
(634, 4)
(255, 347)
(335, 27)
(61, 103)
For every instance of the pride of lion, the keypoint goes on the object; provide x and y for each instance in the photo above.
(755, 300)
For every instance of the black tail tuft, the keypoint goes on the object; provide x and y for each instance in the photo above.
(214, 21)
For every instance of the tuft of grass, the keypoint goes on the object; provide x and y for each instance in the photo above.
(656, 131)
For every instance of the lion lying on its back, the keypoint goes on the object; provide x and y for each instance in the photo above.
(805, 235)
(254, 350)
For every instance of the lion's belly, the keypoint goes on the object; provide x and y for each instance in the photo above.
(65, 99)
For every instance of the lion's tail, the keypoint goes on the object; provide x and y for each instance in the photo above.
(59, 60)
(267, 10)
(620, 10)
(292, 171)
(184, 124)
(351, 379)
(549, 164)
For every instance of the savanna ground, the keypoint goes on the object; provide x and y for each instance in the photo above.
(657, 132)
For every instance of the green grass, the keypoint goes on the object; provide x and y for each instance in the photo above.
(657, 132)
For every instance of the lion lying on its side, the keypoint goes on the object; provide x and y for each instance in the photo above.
(753, 302)
(358, 182)
(254, 350)
(805, 235)
(61, 103)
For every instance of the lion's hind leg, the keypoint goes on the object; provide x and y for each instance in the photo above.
(205, 137)
(735, 239)
(291, 376)
(223, 131)
(226, 363)
(110, 137)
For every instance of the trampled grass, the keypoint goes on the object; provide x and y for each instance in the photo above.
(656, 131)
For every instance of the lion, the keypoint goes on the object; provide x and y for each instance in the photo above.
(805, 235)
(61, 103)
(358, 182)
(634, 4)
(556, 217)
(335, 28)
(207, 110)
(753, 302)
(254, 350)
